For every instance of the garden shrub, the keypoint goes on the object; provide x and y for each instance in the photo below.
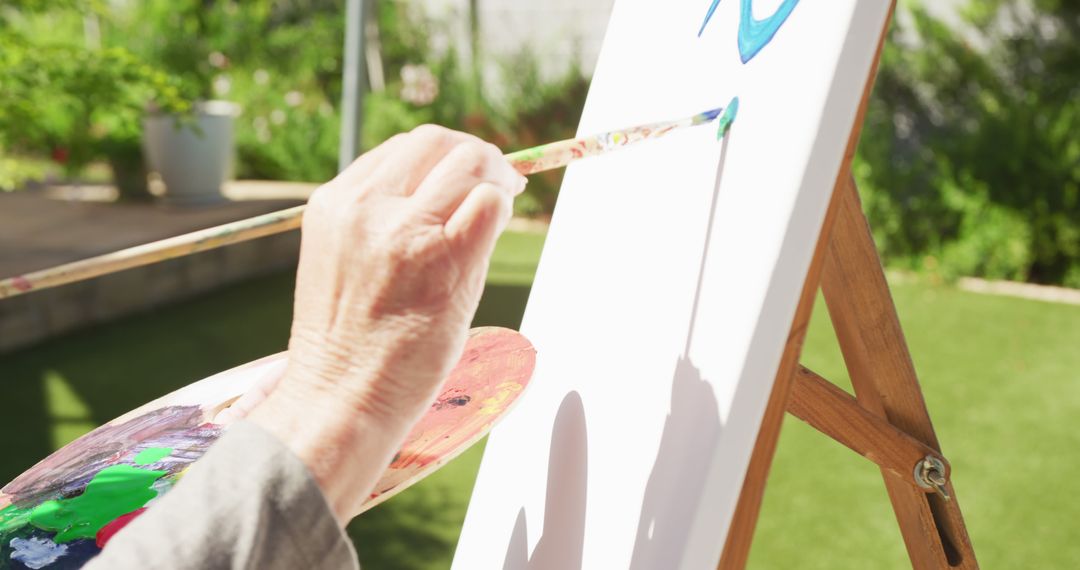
(64, 99)
(991, 241)
(969, 161)
(970, 151)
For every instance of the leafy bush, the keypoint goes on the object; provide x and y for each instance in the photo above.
(423, 84)
(970, 155)
(991, 240)
(59, 97)
(281, 61)
(288, 130)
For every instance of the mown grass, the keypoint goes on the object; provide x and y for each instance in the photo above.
(1000, 377)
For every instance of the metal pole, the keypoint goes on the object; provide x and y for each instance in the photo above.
(474, 52)
(353, 81)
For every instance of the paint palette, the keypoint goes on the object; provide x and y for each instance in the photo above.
(63, 511)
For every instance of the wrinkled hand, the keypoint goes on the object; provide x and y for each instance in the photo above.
(392, 263)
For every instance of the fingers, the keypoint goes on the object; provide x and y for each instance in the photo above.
(422, 149)
(435, 165)
(464, 168)
(398, 165)
(477, 222)
(361, 168)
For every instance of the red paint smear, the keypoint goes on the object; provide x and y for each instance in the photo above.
(108, 531)
(21, 283)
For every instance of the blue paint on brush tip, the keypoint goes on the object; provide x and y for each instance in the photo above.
(727, 118)
(708, 116)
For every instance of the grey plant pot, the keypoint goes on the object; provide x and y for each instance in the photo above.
(193, 156)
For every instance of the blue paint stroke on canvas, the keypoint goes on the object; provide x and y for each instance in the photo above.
(754, 34)
(708, 16)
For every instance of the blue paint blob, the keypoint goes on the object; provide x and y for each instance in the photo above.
(727, 118)
(755, 34)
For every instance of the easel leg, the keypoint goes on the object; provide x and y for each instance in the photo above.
(741, 533)
(885, 383)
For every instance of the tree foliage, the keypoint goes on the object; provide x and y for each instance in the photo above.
(57, 93)
(970, 158)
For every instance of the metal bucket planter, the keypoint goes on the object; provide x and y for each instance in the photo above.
(193, 155)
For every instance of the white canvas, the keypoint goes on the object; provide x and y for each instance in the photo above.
(667, 288)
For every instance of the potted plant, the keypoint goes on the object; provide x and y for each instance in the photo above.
(82, 104)
(116, 134)
(193, 155)
(192, 152)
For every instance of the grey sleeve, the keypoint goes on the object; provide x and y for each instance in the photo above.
(248, 503)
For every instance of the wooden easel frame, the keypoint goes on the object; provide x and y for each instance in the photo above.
(887, 421)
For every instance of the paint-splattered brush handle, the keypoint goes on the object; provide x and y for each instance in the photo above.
(528, 161)
(155, 251)
(558, 154)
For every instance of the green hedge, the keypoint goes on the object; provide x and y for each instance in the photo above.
(969, 162)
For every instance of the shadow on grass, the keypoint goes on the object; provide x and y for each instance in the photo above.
(110, 369)
(107, 370)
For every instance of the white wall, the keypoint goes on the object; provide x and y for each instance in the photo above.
(558, 31)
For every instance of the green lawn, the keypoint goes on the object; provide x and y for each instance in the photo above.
(999, 375)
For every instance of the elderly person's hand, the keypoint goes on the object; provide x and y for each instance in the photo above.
(392, 264)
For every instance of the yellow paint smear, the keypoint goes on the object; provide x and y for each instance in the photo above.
(495, 404)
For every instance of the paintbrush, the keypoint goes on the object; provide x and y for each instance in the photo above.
(558, 154)
(529, 161)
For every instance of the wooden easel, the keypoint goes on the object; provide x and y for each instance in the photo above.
(887, 421)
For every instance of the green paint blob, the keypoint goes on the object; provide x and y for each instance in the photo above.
(12, 517)
(114, 491)
(727, 118)
(152, 455)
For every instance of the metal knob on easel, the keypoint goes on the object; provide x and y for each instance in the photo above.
(930, 474)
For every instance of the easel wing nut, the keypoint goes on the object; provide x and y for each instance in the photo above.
(931, 473)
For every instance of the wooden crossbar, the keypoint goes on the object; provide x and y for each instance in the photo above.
(887, 420)
(838, 415)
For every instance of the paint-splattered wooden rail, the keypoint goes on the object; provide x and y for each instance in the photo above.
(528, 161)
